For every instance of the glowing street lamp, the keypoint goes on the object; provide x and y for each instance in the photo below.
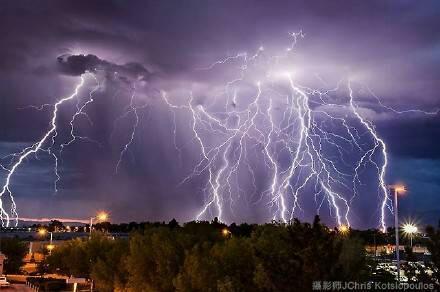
(43, 232)
(226, 232)
(344, 229)
(50, 247)
(410, 229)
(396, 190)
(399, 188)
(101, 216)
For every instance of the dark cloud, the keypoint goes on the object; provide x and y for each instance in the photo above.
(79, 64)
(393, 46)
(415, 137)
(422, 178)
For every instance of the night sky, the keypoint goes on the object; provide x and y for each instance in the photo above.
(390, 47)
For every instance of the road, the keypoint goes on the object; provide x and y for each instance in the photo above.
(16, 288)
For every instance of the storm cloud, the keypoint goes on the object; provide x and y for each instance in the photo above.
(76, 65)
(393, 47)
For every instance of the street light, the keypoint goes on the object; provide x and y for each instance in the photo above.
(101, 216)
(410, 229)
(50, 247)
(226, 232)
(344, 229)
(396, 190)
(43, 232)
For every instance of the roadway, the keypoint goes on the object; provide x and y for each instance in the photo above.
(17, 287)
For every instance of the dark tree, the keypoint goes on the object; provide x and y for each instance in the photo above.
(173, 224)
(199, 257)
(14, 249)
(55, 225)
(434, 248)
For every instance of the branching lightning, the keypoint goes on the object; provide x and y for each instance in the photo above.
(265, 141)
(54, 148)
(299, 141)
(47, 141)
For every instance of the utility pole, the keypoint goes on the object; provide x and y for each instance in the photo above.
(396, 227)
(394, 191)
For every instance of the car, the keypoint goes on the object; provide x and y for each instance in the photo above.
(4, 282)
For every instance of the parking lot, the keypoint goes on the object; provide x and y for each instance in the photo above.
(17, 287)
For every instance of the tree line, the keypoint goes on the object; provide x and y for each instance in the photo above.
(211, 256)
(205, 256)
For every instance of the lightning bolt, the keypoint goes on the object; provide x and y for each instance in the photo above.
(48, 141)
(378, 144)
(49, 136)
(326, 142)
(131, 109)
(264, 140)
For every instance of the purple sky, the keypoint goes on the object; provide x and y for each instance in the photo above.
(393, 47)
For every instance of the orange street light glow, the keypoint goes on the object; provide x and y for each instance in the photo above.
(42, 231)
(102, 216)
(344, 229)
(400, 189)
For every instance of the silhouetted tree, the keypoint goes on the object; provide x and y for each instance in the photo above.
(15, 250)
(173, 224)
(433, 246)
(55, 225)
(197, 257)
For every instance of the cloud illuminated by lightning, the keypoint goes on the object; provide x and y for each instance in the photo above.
(50, 144)
(311, 145)
(265, 140)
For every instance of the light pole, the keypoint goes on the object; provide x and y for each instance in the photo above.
(410, 229)
(101, 216)
(395, 190)
(43, 232)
